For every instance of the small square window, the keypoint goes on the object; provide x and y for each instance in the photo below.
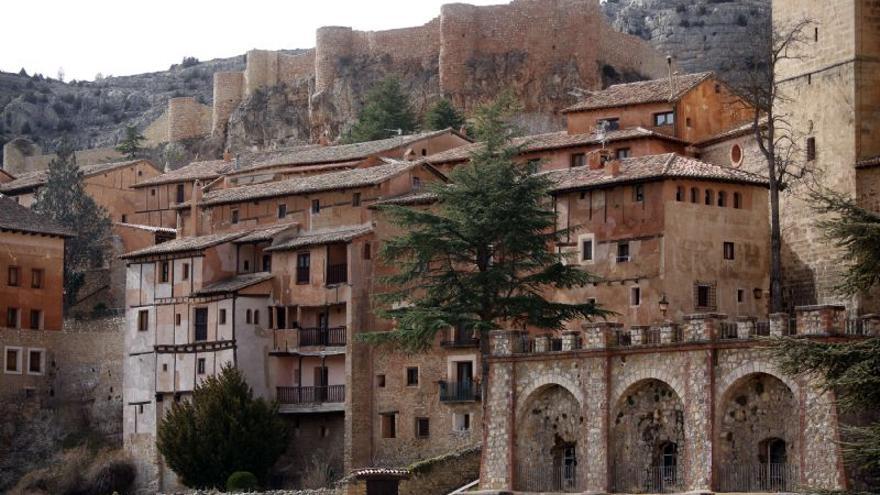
(622, 153)
(462, 422)
(35, 362)
(704, 296)
(152, 192)
(587, 249)
(124, 218)
(12, 317)
(13, 360)
(246, 266)
(316, 206)
(578, 160)
(635, 296)
(412, 377)
(664, 118)
(234, 218)
(623, 252)
(380, 381)
(356, 199)
(164, 366)
(687, 121)
(389, 425)
(282, 211)
(201, 366)
(729, 253)
(423, 428)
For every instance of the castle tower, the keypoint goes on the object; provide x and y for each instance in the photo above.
(228, 87)
(332, 43)
(833, 86)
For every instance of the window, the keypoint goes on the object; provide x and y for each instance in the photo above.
(736, 155)
(816, 35)
(164, 366)
(695, 194)
(679, 193)
(356, 199)
(180, 198)
(639, 193)
(461, 422)
(36, 361)
(267, 263)
(303, 260)
(704, 296)
(578, 160)
(811, 148)
(587, 249)
(256, 317)
(12, 317)
(380, 381)
(416, 184)
(325, 432)
(185, 273)
(664, 118)
(623, 252)
(316, 206)
(728, 251)
(389, 425)
(36, 317)
(710, 197)
(282, 211)
(687, 121)
(740, 295)
(178, 318)
(13, 275)
(722, 199)
(622, 153)
(412, 377)
(635, 296)
(423, 428)
(152, 192)
(248, 316)
(234, 219)
(143, 320)
(737, 200)
(533, 165)
(13, 360)
(368, 251)
(610, 124)
(124, 218)
(36, 278)
(246, 266)
(200, 366)
(164, 270)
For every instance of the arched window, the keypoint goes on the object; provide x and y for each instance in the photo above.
(737, 200)
(722, 199)
(667, 463)
(256, 317)
(248, 316)
(736, 155)
(679, 193)
(710, 197)
(695, 195)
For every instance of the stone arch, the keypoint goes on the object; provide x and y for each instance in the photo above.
(757, 412)
(647, 438)
(550, 440)
(756, 366)
(667, 376)
(544, 381)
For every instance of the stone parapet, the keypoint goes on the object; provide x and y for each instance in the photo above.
(871, 324)
(506, 342)
(571, 340)
(542, 343)
(639, 335)
(600, 335)
(702, 327)
(779, 324)
(825, 319)
(746, 327)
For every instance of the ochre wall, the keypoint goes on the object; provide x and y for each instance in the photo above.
(29, 252)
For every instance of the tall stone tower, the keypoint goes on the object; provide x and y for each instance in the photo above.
(833, 86)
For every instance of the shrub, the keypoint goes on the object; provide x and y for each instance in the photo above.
(189, 62)
(241, 481)
(111, 472)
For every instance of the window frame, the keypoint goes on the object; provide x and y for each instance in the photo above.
(316, 207)
(610, 123)
(582, 239)
(662, 119)
(388, 426)
(638, 193)
(180, 193)
(303, 272)
(466, 423)
(143, 320)
(38, 313)
(623, 258)
(622, 153)
(16, 313)
(234, 216)
(200, 366)
(729, 251)
(407, 376)
(577, 160)
(37, 278)
(635, 296)
(42, 361)
(282, 211)
(184, 272)
(356, 199)
(419, 421)
(19, 358)
(164, 272)
(811, 151)
(13, 276)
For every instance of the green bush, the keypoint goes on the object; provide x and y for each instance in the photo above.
(241, 481)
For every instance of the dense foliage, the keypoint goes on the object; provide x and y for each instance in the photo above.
(443, 115)
(131, 144)
(222, 430)
(386, 113)
(64, 200)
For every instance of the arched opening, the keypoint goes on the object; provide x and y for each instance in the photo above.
(757, 436)
(646, 438)
(547, 442)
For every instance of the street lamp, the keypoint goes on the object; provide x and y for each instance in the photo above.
(664, 305)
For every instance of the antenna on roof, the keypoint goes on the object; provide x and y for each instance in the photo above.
(671, 82)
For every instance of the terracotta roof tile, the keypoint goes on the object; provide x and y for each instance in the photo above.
(185, 244)
(869, 163)
(206, 170)
(653, 91)
(319, 237)
(234, 284)
(651, 167)
(411, 199)
(17, 218)
(263, 235)
(31, 180)
(148, 228)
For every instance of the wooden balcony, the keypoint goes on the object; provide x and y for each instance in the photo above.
(328, 398)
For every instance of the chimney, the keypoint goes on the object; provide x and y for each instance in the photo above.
(195, 218)
(671, 82)
(599, 158)
(227, 156)
(613, 167)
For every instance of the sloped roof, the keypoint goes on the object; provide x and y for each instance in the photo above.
(185, 244)
(205, 170)
(550, 141)
(410, 199)
(31, 180)
(870, 162)
(315, 183)
(343, 152)
(148, 228)
(646, 168)
(735, 131)
(320, 236)
(17, 218)
(263, 235)
(653, 91)
(235, 283)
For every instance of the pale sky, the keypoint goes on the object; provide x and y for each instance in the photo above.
(123, 37)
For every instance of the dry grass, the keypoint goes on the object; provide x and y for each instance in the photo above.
(80, 472)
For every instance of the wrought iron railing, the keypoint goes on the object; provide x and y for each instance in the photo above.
(333, 336)
(461, 342)
(311, 395)
(738, 477)
(337, 274)
(621, 338)
(536, 478)
(762, 328)
(655, 479)
(854, 326)
(466, 391)
(728, 330)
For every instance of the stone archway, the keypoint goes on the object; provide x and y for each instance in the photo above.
(549, 441)
(647, 439)
(758, 435)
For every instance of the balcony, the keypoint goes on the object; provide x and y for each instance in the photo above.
(311, 399)
(467, 391)
(460, 343)
(337, 274)
(330, 337)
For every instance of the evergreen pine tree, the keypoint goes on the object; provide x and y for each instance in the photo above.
(222, 430)
(443, 115)
(386, 113)
(131, 144)
(64, 200)
(479, 259)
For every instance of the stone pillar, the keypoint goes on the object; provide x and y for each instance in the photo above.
(779, 324)
(667, 333)
(745, 327)
(703, 327)
(639, 335)
(542, 343)
(570, 340)
(824, 319)
(871, 323)
(600, 334)
(506, 342)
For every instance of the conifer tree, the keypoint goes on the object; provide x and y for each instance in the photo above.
(479, 259)
(443, 115)
(131, 144)
(386, 113)
(64, 200)
(223, 429)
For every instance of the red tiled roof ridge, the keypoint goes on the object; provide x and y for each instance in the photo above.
(639, 92)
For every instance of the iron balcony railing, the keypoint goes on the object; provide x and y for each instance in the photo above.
(561, 478)
(333, 336)
(738, 477)
(311, 395)
(466, 391)
(461, 342)
(854, 327)
(728, 330)
(337, 274)
(655, 479)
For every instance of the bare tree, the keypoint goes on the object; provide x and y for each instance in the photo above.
(776, 134)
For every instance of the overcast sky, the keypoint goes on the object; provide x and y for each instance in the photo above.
(122, 37)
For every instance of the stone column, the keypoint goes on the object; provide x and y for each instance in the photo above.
(703, 327)
(506, 342)
(745, 327)
(872, 325)
(599, 334)
(667, 333)
(639, 335)
(825, 319)
(542, 343)
(779, 324)
(570, 340)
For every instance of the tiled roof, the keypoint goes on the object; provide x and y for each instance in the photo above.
(194, 171)
(314, 183)
(736, 131)
(414, 198)
(319, 237)
(235, 283)
(653, 91)
(263, 235)
(651, 167)
(17, 218)
(870, 162)
(185, 244)
(32, 180)
(343, 152)
(148, 228)
(379, 473)
(550, 141)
